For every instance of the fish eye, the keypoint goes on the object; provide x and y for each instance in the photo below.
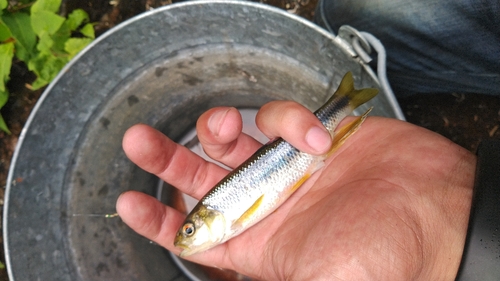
(188, 229)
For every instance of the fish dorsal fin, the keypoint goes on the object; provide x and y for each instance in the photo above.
(245, 217)
(345, 132)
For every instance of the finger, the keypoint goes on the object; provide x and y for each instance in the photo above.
(155, 153)
(149, 217)
(219, 132)
(159, 223)
(295, 124)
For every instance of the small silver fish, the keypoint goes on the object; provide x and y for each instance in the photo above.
(263, 182)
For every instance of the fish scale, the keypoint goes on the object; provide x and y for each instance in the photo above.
(270, 173)
(262, 183)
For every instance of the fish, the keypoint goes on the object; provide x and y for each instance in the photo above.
(262, 183)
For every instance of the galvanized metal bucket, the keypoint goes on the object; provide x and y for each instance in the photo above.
(163, 68)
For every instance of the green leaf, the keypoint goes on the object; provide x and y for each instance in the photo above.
(46, 21)
(46, 66)
(46, 5)
(4, 96)
(3, 4)
(74, 45)
(76, 18)
(88, 30)
(6, 55)
(39, 83)
(19, 24)
(36, 64)
(45, 43)
(60, 37)
(3, 126)
(4, 32)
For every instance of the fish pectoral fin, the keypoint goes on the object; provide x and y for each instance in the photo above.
(346, 131)
(247, 215)
(300, 182)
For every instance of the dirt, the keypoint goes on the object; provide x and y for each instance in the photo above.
(465, 119)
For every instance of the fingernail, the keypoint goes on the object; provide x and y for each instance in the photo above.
(216, 120)
(318, 139)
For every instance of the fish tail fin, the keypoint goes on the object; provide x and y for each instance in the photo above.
(356, 97)
(346, 131)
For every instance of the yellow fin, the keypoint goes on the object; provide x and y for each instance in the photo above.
(249, 213)
(356, 97)
(299, 183)
(346, 131)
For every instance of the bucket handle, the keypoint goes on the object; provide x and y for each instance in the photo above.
(362, 43)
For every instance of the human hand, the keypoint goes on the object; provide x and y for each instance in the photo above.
(391, 204)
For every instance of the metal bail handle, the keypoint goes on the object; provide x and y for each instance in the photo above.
(362, 43)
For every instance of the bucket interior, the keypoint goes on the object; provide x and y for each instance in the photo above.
(178, 89)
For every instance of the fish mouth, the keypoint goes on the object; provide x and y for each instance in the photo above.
(186, 250)
(181, 245)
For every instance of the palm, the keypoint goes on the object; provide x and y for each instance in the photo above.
(364, 214)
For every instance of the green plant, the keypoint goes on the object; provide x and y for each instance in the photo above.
(34, 33)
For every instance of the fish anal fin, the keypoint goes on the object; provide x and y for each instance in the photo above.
(244, 218)
(345, 132)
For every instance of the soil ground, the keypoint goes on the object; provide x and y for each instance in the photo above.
(465, 119)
